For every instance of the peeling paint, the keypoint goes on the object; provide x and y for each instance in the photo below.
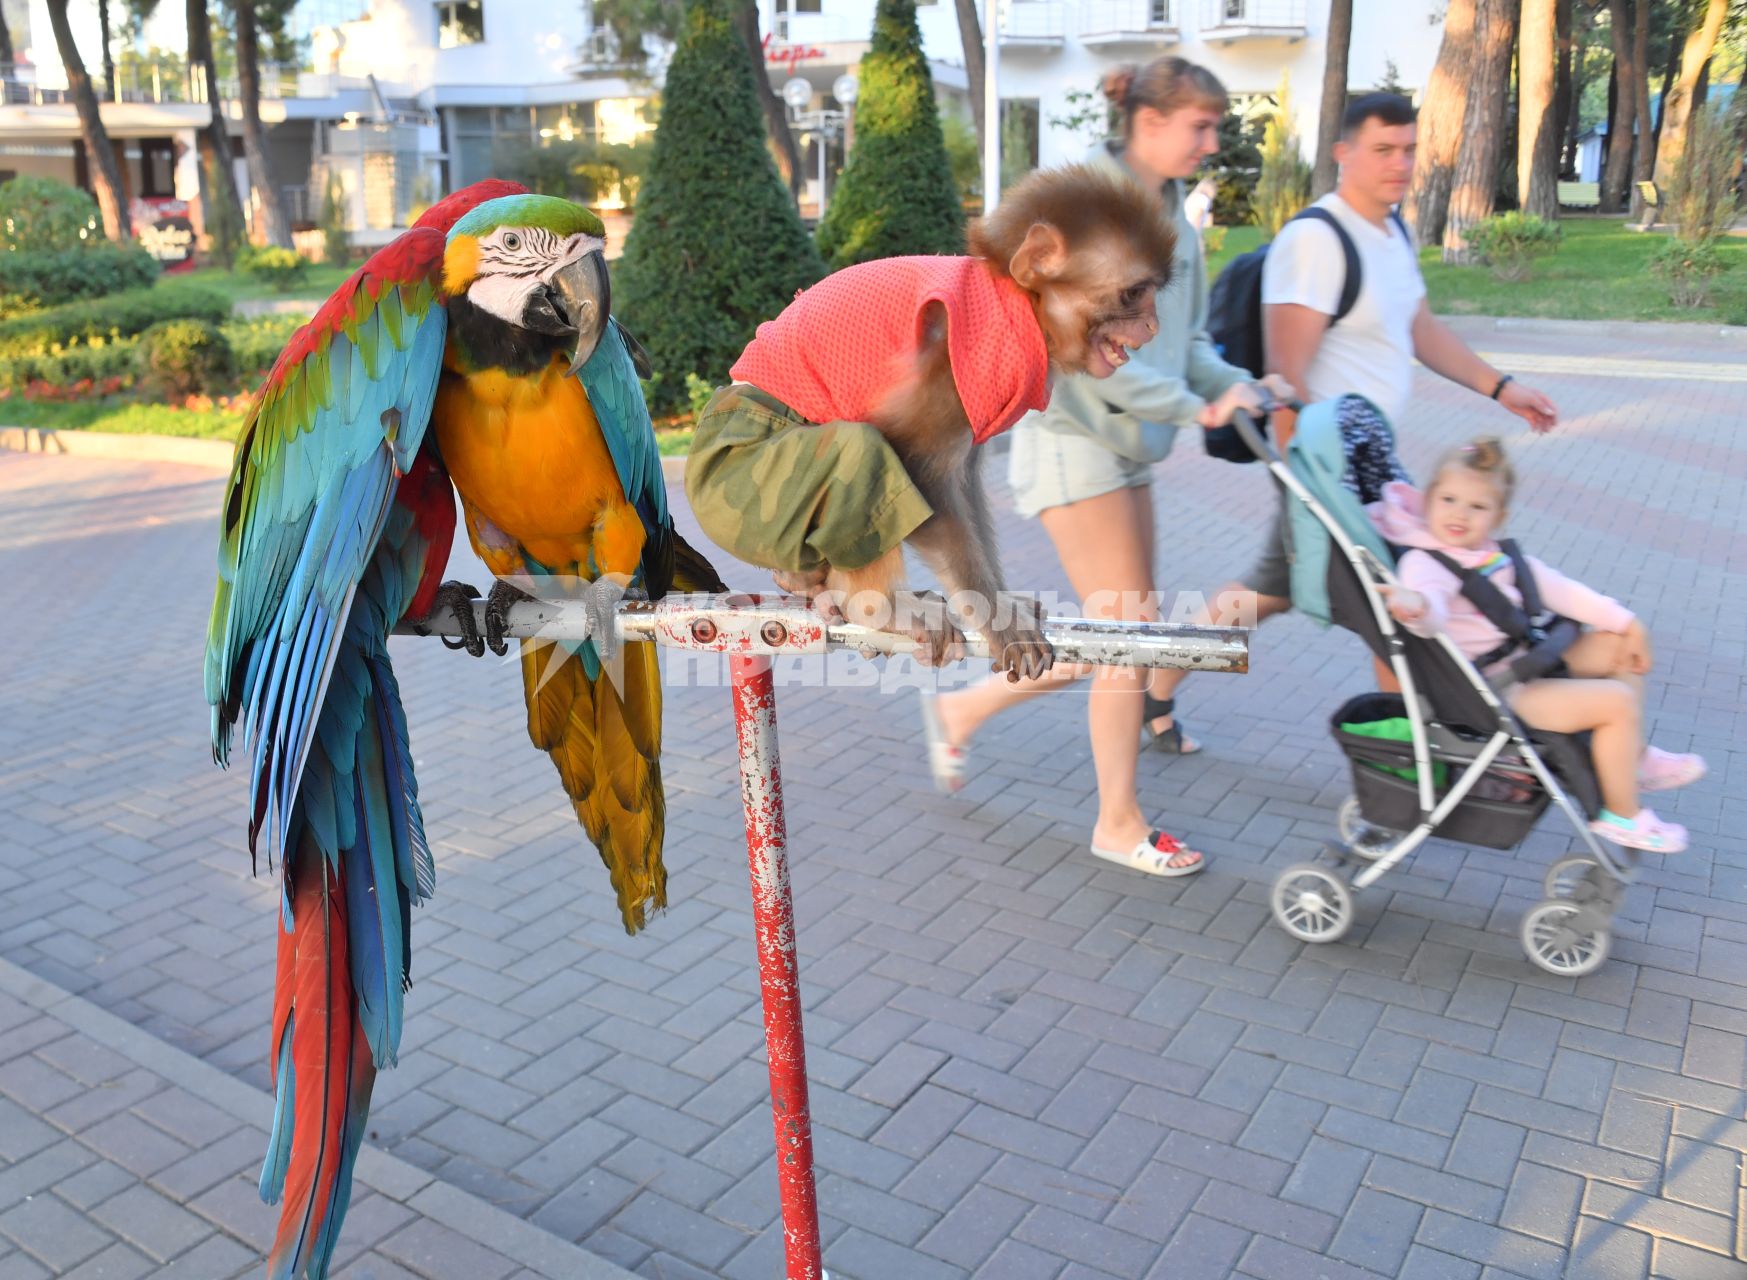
(773, 918)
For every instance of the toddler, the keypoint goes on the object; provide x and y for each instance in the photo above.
(1602, 689)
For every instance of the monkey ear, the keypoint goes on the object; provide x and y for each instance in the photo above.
(1041, 257)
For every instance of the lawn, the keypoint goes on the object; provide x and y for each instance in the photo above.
(122, 415)
(322, 280)
(1601, 272)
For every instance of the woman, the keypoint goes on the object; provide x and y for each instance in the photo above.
(1084, 468)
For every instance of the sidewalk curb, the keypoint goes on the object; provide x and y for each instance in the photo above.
(515, 1238)
(1666, 329)
(106, 444)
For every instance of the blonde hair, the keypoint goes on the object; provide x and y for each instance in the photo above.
(1165, 84)
(1484, 457)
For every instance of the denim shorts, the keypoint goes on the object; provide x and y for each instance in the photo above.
(1053, 468)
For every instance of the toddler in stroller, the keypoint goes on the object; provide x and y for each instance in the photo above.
(1447, 756)
(1456, 578)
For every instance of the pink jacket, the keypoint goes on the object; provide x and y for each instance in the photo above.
(1400, 518)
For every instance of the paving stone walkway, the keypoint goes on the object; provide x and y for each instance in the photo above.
(1025, 1063)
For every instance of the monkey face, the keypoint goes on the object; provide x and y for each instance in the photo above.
(1095, 315)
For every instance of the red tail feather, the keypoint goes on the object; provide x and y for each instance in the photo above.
(323, 1031)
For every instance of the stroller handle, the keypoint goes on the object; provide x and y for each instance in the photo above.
(1250, 432)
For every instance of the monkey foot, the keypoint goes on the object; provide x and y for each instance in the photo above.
(458, 598)
(497, 614)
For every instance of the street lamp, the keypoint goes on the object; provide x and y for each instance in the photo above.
(824, 124)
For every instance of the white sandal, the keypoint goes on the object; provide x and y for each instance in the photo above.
(945, 761)
(1153, 856)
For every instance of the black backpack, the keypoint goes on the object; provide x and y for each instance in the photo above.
(1234, 316)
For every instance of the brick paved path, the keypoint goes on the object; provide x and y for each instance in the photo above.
(122, 1157)
(1025, 1063)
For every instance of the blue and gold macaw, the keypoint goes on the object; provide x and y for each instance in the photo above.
(460, 342)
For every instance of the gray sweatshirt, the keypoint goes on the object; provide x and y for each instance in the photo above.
(1136, 411)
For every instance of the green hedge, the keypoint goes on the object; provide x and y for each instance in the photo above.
(31, 280)
(111, 360)
(119, 316)
(255, 345)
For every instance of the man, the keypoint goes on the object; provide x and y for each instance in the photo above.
(1371, 351)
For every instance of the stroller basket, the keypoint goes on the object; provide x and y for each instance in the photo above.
(1389, 800)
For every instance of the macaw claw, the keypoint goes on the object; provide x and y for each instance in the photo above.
(497, 614)
(458, 598)
(600, 604)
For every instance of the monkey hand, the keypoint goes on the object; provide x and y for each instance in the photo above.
(1016, 641)
(923, 616)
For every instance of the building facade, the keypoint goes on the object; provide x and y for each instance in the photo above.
(400, 101)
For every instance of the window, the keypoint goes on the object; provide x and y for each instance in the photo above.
(1019, 137)
(460, 22)
(1159, 13)
(157, 167)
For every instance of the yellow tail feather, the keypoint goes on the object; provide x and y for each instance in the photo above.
(606, 743)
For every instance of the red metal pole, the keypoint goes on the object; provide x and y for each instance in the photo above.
(773, 916)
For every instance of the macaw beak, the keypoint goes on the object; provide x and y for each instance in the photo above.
(585, 300)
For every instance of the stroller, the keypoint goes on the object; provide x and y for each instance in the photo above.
(1445, 756)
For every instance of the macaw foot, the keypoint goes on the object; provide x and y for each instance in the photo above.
(458, 598)
(497, 614)
(600, 604)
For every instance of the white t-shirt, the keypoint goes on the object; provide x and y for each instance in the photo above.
(1371, 350)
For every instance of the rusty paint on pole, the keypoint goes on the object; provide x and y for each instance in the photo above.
(773, 918)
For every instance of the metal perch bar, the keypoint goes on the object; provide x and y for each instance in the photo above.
(775, 625)
(752, 630)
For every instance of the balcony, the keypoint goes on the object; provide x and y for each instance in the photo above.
(1230, 20)
(1128, 22)
(1034, 24)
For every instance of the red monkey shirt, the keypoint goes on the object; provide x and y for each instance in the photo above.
(843, 346)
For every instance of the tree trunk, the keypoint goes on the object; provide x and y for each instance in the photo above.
(100, 156)
(6, 54)
(1617, 176)
(1334, 97)
(108, 54)
(1474, 186)
(1682, 99)
(970, 35)
(1537, 157)
(1644, 154)
(275, 226)
(1566, 91)
(776, 115)
(1440, 124)
(217, 134)
(1701, 93)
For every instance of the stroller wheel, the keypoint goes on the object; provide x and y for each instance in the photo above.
(1312, 904)
(1363, 839)
(1558, 940)
(1570, 878)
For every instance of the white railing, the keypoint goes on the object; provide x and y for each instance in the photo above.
(1108, 18)
(1252, 15)
(1039, 20)
(821, 28)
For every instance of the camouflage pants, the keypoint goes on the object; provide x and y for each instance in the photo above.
(778, 491)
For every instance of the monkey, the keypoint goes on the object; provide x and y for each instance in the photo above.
(853, 422)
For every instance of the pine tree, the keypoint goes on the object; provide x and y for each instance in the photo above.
(897, 195)
(717, 246)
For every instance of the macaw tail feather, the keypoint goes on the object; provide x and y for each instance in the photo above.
(606, 742)
(323, 1075)
(691, 572)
